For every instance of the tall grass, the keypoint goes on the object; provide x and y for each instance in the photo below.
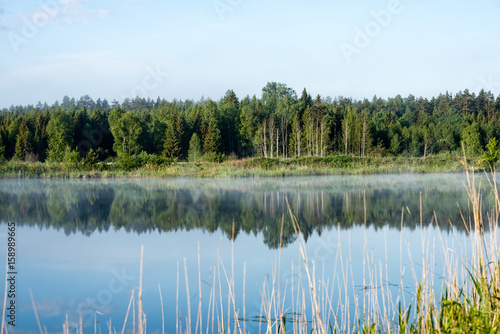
(247, 167)
(467, 300)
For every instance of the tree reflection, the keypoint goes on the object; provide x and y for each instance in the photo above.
(255, 206)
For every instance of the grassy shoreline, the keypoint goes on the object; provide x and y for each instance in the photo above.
(251, 167)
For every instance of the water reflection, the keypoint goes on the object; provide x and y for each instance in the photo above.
(254, 205)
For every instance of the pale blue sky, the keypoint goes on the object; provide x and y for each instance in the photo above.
(109, 49)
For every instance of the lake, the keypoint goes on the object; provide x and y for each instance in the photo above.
(78, 246)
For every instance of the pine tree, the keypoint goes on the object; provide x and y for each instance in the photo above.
(211, 141)
(10, 144)
(23, 142)
(172, 144)
(60, 133)
(174, 135)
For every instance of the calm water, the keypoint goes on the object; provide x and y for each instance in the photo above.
(78, 241)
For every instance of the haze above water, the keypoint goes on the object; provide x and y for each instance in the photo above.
(78, 241)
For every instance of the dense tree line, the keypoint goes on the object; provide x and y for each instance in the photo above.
(278, 124)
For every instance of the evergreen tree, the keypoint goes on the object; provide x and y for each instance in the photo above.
(172, 144)
(211, 141)
(229, 110)
(23, 142)
(12, 132)
(395, 145)
(60, 134)
(40, 137)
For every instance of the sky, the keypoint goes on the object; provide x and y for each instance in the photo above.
(186, 49)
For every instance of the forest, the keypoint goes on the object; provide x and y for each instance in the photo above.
(278, 124)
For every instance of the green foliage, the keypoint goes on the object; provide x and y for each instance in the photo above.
(126, 128)
(416, 142)
(91, 159)
(2, 150)
(396, 144)
(471, 139)
(135, 161)
(152, 159)
(23, 142)
(40, 139)
(60, 134)
(211, 141)
(229, 110)
(128, 161)
(195, 153)
(12, 132)
(70, 159)
(174, 137)
(214, 157)
(277, 123)
(490, 157)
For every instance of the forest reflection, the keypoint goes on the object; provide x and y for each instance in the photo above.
(255, 205)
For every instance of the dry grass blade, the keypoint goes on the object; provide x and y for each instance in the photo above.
(5, 292)
(312, 284)
(128, 310)
(244, 283)
(139, 298)
(231, 291)
(199, 320)
(188, 295)
(177, 302)
(36, 312)
(162, 312)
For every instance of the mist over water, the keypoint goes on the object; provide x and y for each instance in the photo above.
(79, 240)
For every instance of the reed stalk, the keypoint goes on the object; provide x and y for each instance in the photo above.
(139, 298)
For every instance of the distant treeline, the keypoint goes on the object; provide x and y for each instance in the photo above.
(278, 124)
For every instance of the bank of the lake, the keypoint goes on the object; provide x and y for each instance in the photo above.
(252, 167)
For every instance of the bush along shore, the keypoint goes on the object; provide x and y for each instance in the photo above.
(144, 165)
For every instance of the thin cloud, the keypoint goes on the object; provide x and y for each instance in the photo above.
(219, 25)
(67, 12)
(4, 22)
(49, 308)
